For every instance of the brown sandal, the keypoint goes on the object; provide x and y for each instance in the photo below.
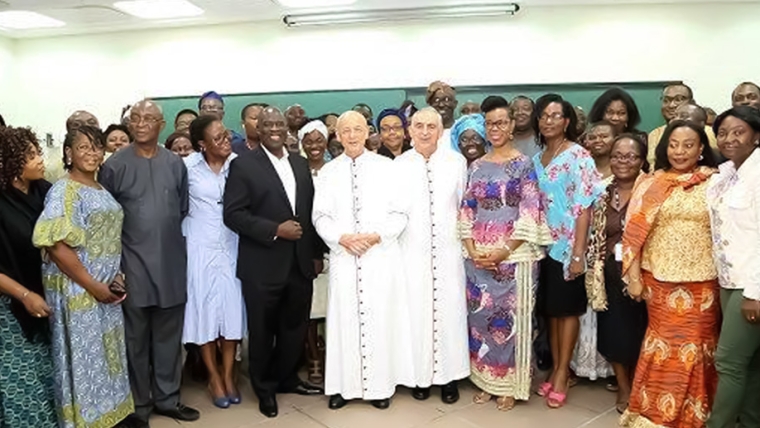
(315, 372)
(505, 404)
(481, 397)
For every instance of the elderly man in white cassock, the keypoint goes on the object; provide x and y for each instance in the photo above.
(434, 182)
(357, 214)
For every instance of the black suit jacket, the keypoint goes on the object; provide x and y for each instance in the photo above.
(255, 204)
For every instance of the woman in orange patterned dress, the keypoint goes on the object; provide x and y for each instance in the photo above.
(667, 261)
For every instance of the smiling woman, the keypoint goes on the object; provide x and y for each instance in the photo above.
(80, 233)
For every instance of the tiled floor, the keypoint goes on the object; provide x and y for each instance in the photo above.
(589, 406)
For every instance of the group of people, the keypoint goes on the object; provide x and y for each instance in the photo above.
(437, 249)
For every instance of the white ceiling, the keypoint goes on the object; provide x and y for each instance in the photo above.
(93, 16)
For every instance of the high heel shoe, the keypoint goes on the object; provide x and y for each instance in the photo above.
(221, 402)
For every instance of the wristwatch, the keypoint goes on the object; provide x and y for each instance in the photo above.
(577, 259)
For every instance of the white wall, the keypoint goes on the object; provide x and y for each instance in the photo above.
(7, 79)
(712, 47)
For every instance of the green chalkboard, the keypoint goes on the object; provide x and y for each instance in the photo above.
(316, 103)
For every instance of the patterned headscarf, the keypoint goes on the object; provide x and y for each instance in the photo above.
(476, 122)
(435, 87)
(390, 112)
(212, 95)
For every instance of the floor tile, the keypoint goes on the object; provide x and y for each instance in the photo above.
(589, 406)
(404, 412)
(532, 414)
(294, 419)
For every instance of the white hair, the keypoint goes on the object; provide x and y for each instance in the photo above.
(345, 116)
(432, 111)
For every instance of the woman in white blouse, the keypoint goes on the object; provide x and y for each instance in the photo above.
(734, 199)
(214, 314)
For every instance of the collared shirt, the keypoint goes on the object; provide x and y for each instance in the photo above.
(285, 172)
(734, 200)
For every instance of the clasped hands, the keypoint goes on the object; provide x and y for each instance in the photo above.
(490, 260)
(358, 244)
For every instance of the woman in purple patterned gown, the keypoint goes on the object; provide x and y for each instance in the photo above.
(503, 226)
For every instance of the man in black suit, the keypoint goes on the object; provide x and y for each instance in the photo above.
(268, 202)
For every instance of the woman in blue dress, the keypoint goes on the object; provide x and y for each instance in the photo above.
(215, 312)
(80, 233)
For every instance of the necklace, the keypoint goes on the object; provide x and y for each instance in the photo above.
(558, 149)
(617, 198)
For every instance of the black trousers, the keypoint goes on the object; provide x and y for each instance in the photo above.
(154, 353)
(278, 317)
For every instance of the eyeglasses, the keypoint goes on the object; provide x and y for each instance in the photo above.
(553, 117)
(389, 129)
(629, 158)
(678, 99)
(499, 124)
(439, 100)
(220, 139)
(148, 120)
(475, 139)
(212, 108)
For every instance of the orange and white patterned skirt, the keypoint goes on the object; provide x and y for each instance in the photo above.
(675, 379)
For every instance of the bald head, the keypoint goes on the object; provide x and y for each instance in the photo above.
(353, 133)
(273, 130)
(81, 118)
(146, 121)
(692, 113)
(296, 118)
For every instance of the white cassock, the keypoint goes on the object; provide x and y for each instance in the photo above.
(369, 348)
(434, 264)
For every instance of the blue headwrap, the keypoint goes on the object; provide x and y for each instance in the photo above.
(210, 94)
(390, 112)
(476, 122)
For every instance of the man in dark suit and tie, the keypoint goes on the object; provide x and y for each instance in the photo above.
(268, 202)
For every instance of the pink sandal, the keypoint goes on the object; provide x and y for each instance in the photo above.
(555, 399)
(544, 389)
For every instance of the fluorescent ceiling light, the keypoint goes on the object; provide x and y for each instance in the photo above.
(159, 9)
(295, 4)
(25, 20)
(410, 14)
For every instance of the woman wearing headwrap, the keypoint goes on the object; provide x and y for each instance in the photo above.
(468, 137)
(313, 138)
(393, 133)
(503, 228)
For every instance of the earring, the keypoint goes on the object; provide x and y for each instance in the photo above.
(701, 157)
(68, 162)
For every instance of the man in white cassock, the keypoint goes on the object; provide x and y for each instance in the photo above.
(357, 214)
(434, 182)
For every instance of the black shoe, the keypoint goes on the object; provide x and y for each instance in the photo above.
(382, 404)
(337, 402)
(304, 388)
(268, 406)
(421, 393)
(132, 421)
(180, 413)
(450, 393)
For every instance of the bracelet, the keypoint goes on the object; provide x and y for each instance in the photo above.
(577, 259)
(23, 296)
